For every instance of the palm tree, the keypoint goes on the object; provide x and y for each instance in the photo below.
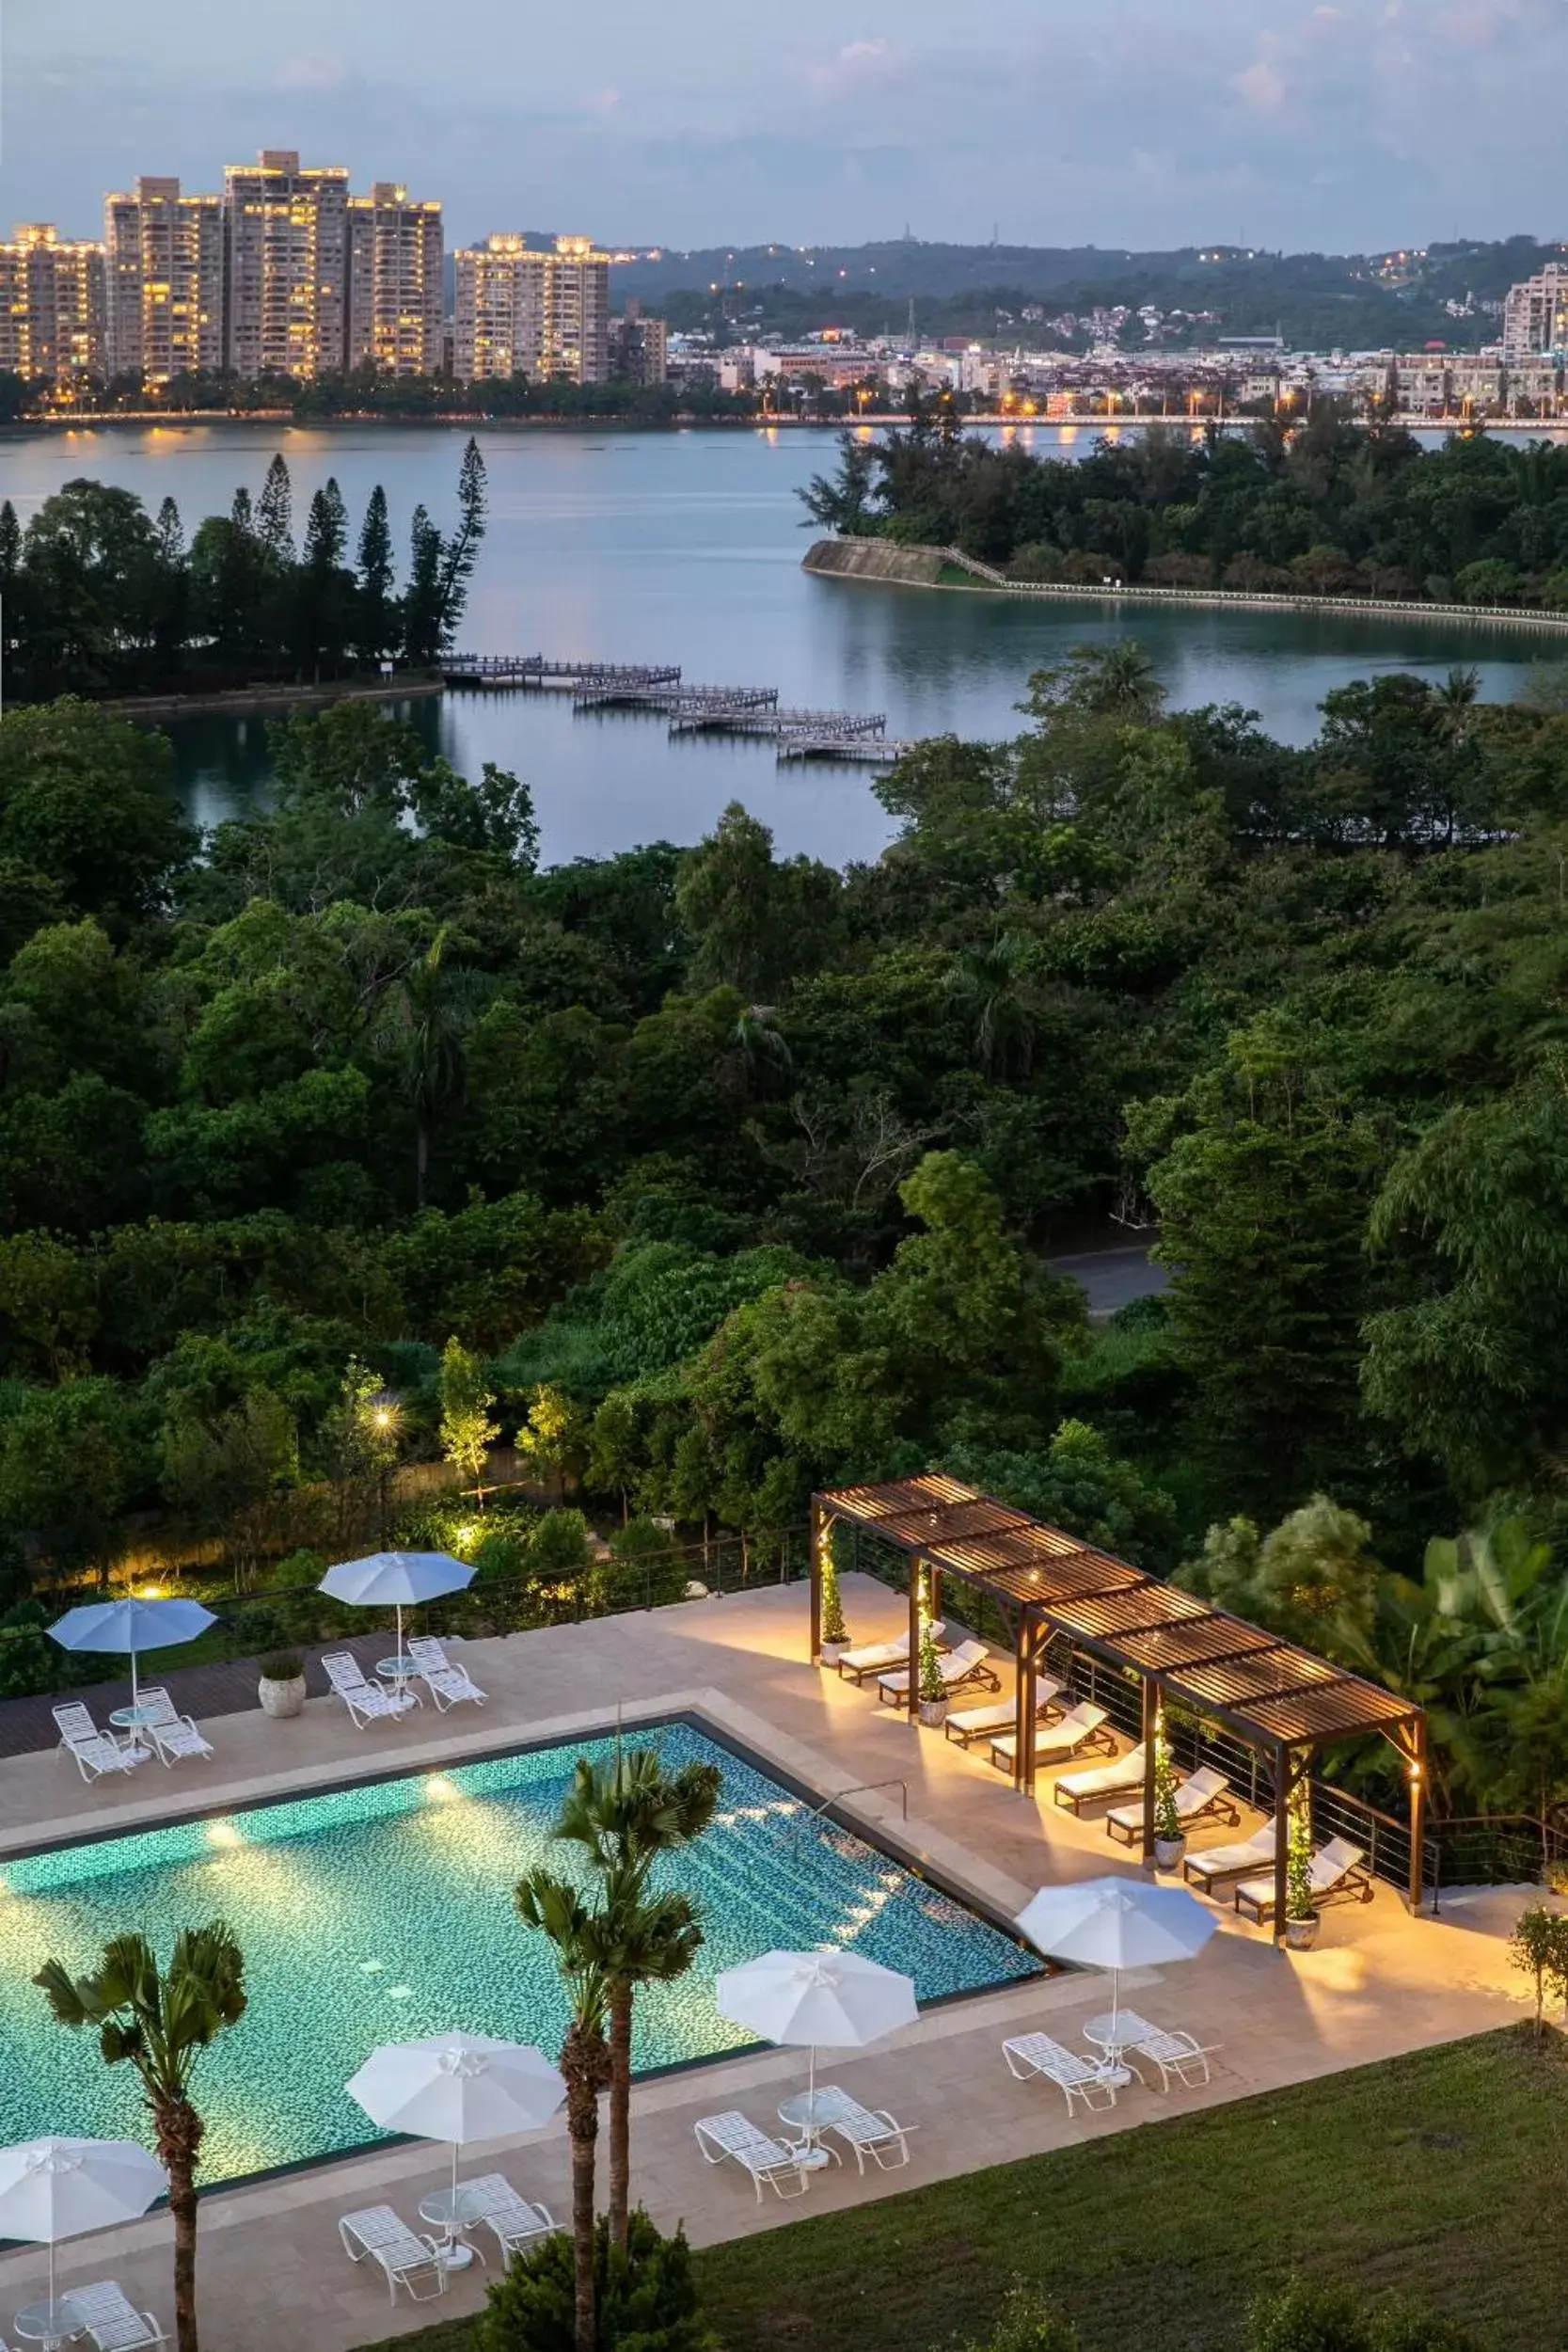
(990, 985)
(1454, 703)
(624, 1815)
(547, 1903)
(162, 2022)
(422, 1025)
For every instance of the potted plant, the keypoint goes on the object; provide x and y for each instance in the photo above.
(933, 1691)
(836, 1634)
(282, 1687)
(1301, 1918)
(1170, 1839)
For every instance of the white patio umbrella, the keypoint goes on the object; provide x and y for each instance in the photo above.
(1116, 1923)
(458, 2086)
(396, 1580)
(837, 2000)
(132, 1625)
(55, 2189)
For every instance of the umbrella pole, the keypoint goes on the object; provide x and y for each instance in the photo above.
(136, 1699)
(50, 2273)
(400, 1662)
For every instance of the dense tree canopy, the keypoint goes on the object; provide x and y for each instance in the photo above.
(1329, 508)
(719, 1176)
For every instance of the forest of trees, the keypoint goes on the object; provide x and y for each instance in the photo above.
(101, 599)
(1326, 507)
(737, 1173)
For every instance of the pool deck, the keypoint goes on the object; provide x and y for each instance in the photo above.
(271, 2272)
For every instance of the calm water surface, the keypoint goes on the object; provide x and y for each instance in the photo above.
(687, 546)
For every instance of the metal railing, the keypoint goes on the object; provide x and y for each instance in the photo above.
(860, 1789)
(1493, 1849)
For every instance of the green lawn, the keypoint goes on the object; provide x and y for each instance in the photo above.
(1440, 2176)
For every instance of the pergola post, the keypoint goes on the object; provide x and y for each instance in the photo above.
(1023, 1726)
(917, 1571)
(933, 1594)
(1151, 1748)
(819, 1536)
(1281, 1837)
(1417, 1808)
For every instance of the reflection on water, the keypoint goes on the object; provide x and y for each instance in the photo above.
(685, 547)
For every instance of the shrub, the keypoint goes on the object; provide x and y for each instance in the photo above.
(646, 2299)
(28, 1662)
(302, 1612)
(1310, 2319)
(665, 1577)
(1539, 1945)
(559, 1547)
(280, 1665)
(1025, 2323)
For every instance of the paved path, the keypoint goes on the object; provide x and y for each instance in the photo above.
(1114, 1277)
(224, 1687)
(273, 2273)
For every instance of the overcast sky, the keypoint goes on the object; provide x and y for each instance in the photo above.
(1367, 123)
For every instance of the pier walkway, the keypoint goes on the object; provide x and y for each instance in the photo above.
(660, 690)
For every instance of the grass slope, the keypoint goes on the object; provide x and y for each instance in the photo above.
(1439, 2177)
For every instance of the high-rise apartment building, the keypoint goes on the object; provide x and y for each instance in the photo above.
(1535, 316)
(395, 295)
(165, 281)
(579, 310)
(51, 306)
(286, 255)
(524, 311)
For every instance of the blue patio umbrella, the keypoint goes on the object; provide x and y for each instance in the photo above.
(130, 1626)
(396, 1580)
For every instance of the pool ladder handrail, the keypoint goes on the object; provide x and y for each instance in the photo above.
(860, 1789)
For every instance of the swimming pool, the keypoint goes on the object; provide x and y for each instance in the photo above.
(382, 1912)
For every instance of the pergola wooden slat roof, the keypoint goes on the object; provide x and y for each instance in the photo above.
(1271, 1691)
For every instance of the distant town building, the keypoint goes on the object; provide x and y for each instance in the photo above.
(164, 262)
(522, 310)
(395, 302)
(53, 306)
(286, 239)
(1535, 316)
(639, 347)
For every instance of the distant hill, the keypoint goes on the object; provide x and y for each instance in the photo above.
(1315, 300)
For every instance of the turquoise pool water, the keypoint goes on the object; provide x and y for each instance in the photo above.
(384, 1912)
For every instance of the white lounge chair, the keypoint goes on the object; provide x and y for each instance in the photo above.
(980, 1722)
(172, 1734)
(492, 2203)
(1087, 2079)
(1083, 1726)
(970, 1663)
(112, 2320)
(1337, 1873)
(404, 2259)
(1077, 1789)
(96, 1752)
(874, 1658)
(869, 2131)
(1175, 2057)
(771, 2163)
(1234, 1861)
(1201, 1797)
(446, 1684)
(365, 1701)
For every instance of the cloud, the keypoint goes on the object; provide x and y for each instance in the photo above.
(860, 67)
(316, 74)
(1261, 86)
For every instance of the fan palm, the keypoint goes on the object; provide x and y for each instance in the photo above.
(161, 2021)
(581, 1945)
(624, 1815)
(990, 986)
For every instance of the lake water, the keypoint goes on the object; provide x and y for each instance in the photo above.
(685, 547)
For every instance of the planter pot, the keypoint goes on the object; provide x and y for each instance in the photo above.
(282, 1698)
(1168, 1852)
(832, 1652)
(933, 1712)
(1301, 1934)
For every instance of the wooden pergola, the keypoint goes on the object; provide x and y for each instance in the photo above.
(1282, 1701)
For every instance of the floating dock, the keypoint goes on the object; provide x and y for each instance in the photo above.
(660, 689)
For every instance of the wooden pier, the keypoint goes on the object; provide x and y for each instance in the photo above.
(661, 691)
